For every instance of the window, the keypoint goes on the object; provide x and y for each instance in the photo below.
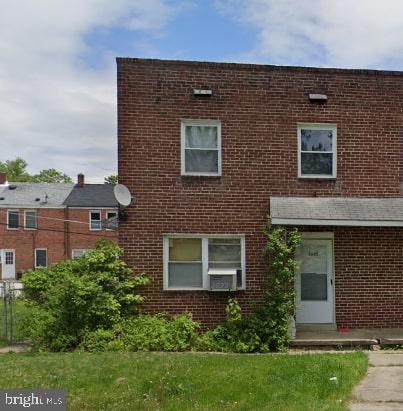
(41, 257)
(77, 253)
(201, 148)
(13, 220)
(95, 220)
(112, 220)
(188, 258)
(30, 220)
(9, 258)
(317, 150)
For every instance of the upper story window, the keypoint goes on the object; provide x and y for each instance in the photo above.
(201, 147)
(188, 259)
(112, 220)
(317, 150)
(95, 220)
(30, 221)
(13, 220)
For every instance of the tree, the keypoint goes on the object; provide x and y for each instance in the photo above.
(111, 180)
(51, 176)
(16, 172)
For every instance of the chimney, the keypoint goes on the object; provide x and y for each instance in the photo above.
(3, 178)
(80, 180)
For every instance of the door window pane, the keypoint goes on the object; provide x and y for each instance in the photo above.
(313, 258)
(313, 287)
(10, 257)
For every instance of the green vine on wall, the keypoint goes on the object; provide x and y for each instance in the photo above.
(266, 328)
(279, 296)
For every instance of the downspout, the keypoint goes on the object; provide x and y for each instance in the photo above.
(66, 233)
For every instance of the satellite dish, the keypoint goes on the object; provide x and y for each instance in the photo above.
(122, 195)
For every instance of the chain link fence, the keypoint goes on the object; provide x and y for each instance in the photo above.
(9, 293)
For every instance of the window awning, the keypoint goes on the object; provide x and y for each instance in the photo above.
(337, 211)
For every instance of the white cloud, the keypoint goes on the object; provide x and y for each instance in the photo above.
(343, 33)
(55, 111)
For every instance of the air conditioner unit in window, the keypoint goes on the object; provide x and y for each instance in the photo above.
(222, 279)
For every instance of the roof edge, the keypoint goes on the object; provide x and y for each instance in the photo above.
(335, 222)
(254, 66)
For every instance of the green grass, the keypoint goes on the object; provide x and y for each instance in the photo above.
(187, 381)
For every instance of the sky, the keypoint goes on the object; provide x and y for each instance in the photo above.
(58, 69)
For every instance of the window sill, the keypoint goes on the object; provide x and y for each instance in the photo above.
(13, 229)
(203, 289)
(200, 175)
(327, 178)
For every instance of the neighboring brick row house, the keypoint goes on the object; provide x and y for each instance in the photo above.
(42, 224)
(212, 150)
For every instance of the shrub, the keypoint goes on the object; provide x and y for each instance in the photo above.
(145, 333)
(77, 296)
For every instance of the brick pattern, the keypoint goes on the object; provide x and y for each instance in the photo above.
(58, 237)
(259, 108)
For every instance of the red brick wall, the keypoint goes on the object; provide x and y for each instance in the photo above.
(259, 108)
(50, 235)
(368, 277)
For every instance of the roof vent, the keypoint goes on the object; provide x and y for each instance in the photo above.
(12, 187)
(37, 199)
(1, 198)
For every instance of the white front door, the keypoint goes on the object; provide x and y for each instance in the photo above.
(8, 264)
(315, 302)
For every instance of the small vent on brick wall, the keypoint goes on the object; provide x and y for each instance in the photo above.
(318, 98)
(202, 92)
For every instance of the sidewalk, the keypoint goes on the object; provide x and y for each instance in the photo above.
(382, 388)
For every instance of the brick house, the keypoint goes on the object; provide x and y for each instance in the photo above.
(210, 150)
(42, 224)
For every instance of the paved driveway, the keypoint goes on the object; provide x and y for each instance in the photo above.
(382, 388)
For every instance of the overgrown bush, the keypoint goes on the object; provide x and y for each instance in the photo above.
(267, 327)
(74, 297)
(145, 333)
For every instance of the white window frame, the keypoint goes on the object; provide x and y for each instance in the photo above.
(211, 123)
(90, 220)
(36, 262)
(84, 250)
(318, 126)
(107, 219)
(8, 215)
(204, 238)
(25, 220)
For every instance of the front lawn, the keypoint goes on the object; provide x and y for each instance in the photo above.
(187, 381)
